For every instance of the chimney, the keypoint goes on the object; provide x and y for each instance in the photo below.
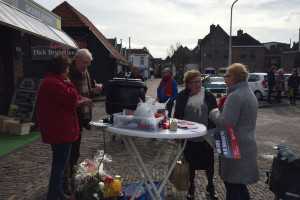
(212, 27)
(299, 41)
(239, 33)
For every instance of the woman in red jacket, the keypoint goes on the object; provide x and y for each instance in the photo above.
(57, 100)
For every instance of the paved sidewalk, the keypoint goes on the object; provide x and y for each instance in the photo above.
(25, 172)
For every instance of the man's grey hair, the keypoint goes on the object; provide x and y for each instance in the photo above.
(83, 52)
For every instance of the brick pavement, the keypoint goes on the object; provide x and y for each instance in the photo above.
(25, 172)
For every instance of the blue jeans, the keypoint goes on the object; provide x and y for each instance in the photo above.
(236, 191)
(60, 159)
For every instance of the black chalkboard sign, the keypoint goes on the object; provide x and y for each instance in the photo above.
(25, 99)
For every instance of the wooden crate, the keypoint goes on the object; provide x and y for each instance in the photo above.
(20, 129)
(4, 123)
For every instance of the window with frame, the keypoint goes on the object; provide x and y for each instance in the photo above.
(222, 40)
(142, 61)
(208, 54)
(217, 54)
(252, 54)
(225, 54)
(253, 78)
(243, 54)
(213, 40)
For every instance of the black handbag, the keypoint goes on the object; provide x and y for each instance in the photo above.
(285, 179)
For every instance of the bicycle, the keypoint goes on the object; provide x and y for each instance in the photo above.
(284, 176)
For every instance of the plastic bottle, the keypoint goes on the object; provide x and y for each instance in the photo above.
(117, 186)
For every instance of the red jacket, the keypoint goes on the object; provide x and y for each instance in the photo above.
(56, 102)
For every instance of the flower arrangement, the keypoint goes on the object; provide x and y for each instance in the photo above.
(13, 110)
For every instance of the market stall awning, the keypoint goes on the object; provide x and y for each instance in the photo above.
(17, 19)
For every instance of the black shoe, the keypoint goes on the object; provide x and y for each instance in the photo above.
(64, 197)
(190, 195)
(67, 189)
(211, 191)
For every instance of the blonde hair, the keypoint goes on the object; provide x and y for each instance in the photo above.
(190, 75)
(238, 72)
(280, 70)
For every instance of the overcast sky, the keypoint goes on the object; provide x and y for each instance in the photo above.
(158, 24)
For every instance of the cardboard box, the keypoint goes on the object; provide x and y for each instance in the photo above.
(4, 123)
(138, 123)
(20, 129)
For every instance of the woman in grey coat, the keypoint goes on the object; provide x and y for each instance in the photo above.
(240, 111)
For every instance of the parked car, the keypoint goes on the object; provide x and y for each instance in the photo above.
(203, 76)
(258, 83)
(214, 83)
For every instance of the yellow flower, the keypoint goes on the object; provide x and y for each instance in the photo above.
(13, 106)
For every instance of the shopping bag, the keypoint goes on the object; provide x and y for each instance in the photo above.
(285, 179)
(291, 92)
(225, 142)
(180, 175)
(142, 194)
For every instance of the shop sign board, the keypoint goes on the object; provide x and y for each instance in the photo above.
(46, 52)
(34, 9)
(25, 98)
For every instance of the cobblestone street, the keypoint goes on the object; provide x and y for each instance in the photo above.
(25, 172)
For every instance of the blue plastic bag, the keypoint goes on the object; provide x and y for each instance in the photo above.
(143, 194)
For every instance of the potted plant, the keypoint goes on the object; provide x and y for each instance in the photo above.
(6, 120)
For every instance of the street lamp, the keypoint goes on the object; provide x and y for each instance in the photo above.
(132, 56)
(230, 41)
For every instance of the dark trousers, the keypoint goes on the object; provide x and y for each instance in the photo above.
(293, 97)
(74, 156)
(169, 108)
(209, 174)
(270, 91)
(278, 96)
(236, 191)
(60, 158)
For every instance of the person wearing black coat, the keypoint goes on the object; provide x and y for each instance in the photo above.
(293, 84)
(194, 104)
(271, 82)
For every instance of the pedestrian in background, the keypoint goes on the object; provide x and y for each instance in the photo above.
(280, 84)
(167, 90)
(194, 104)
(271, 82)
(80, 77)
(56, 100)
(293, 84)
(136, 74)
(240, 111)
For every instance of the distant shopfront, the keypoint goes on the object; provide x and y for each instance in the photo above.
(18, 31)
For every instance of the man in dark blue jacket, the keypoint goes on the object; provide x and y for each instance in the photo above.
(167, 90)
(271, 82)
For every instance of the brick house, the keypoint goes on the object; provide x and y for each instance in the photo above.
(249, 51)
(274, 52)
(291, 59)
(144, 59)
(214, 51)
